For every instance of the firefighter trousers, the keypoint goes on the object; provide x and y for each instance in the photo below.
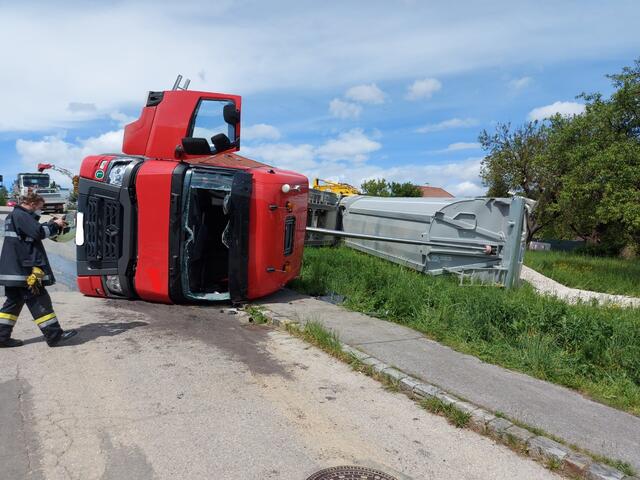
(40, 307)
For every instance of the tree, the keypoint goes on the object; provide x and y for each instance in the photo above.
(600, 198)
(376, 187)
(406, 189)
(3, 196)
(379, 187)
(584, 170)
(515, 164)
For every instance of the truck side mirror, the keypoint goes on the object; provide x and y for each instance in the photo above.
(231, 114)
(196, 146)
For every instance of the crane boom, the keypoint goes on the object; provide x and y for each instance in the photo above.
(49, 166)
(343, 189)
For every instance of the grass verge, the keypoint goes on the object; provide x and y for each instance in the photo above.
(608, 275)
(455, 416)
(595, 350)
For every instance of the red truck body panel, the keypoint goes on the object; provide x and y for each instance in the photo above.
(266, 235)
(153, 190)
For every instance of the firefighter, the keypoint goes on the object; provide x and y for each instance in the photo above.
(25, 272)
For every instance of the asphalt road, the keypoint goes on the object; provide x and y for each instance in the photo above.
(152, 391)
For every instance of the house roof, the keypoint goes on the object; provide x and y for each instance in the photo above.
(434, 192)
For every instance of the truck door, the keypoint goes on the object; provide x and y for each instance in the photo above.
(214, 230)
(171, 116)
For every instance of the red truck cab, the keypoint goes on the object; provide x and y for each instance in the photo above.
(180, 217)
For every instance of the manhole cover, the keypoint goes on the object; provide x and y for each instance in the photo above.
(350, 473)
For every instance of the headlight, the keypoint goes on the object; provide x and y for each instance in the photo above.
(117, 170)
(113, 284)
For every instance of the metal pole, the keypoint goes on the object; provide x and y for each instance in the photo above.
(407, 241)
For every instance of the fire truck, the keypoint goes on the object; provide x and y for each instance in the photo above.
(180, 217)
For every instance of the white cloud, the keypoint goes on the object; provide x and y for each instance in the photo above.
(353, 146)
(341, 109)
(458, 146)
(60, 152)
(468, 189)
(344, 159)
(566, 109)
(366, 94)
(324, 45)
(121, 118)
(423, 88)
(459, 178)
(447, 124)
(518, 84)
(80, 107)
(260, 131)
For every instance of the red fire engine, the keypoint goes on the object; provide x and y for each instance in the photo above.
(179, 217)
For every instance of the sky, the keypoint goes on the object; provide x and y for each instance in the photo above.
(341, 90)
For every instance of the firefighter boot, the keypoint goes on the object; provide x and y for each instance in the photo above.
(7, 321)
(62, 338)
(10, 343)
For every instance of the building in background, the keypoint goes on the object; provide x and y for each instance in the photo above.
(434, 192)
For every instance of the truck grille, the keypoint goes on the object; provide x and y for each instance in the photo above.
(102, 229)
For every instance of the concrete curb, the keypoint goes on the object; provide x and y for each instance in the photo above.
(538, 447)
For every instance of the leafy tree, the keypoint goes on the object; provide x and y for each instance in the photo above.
(406, 189)
(3, 196)
(600, 198)
(584, 171)
(376, 187)
(379, 187)
(515, 164)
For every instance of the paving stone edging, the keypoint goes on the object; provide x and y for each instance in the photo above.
(537, 447)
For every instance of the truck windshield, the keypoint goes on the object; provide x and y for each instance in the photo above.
(205, 252)
(35, 180)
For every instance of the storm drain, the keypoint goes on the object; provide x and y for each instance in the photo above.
(350, 473)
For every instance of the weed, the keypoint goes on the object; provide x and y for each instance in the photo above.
(454, 415)
(314, 332)
(256, 314)
(553, 463)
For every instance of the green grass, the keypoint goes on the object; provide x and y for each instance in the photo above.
(456, 417)
(256, 314)
(315, 333)
(594, 350)
(608, 275)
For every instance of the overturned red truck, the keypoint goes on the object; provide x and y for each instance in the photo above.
(179, 217)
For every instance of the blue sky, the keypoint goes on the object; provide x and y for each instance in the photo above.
(342, 90)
